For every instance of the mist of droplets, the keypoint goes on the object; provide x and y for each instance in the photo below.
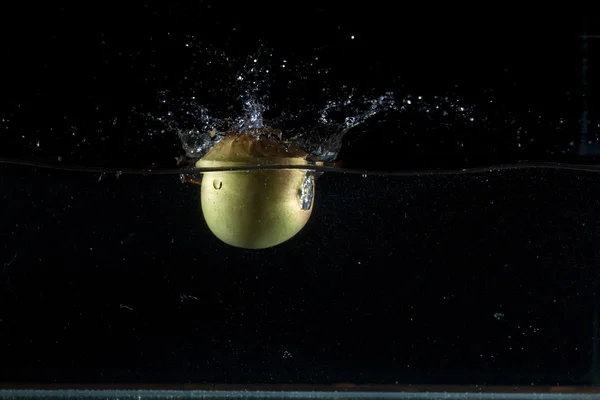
(210, 92)
(315, 114)
(247, 104)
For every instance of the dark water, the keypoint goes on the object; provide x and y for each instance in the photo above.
(487, 277)
(111, 275)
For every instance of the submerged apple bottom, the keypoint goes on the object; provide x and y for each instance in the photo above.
(257, 209)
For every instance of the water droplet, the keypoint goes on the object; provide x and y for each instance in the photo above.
(250, 88)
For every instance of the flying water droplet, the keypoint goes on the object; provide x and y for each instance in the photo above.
(249, 106)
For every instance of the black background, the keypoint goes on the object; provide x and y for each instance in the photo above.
(486, 278)
(84, 66)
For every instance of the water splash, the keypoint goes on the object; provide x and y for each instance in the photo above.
(205, 92)
(248, 104)
(314, 109)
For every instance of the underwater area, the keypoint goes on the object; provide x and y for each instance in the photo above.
(336, 203)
